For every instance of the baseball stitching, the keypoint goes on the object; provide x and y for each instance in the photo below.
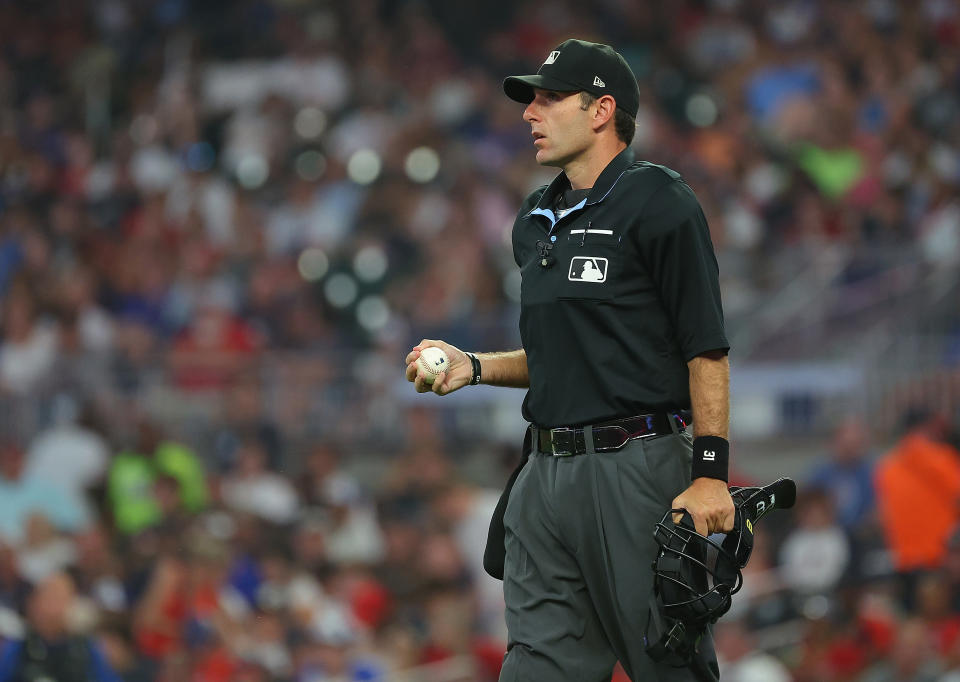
(426, 366)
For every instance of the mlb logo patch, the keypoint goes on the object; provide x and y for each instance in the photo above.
(552, 57)
(588, 269)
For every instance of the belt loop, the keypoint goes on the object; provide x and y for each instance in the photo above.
(588, 439)
(671, 417)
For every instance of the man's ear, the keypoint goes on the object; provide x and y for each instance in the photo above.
(606, 106)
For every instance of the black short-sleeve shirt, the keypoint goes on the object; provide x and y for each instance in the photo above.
(617, 295)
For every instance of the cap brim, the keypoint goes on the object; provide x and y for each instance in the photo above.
(520, 88)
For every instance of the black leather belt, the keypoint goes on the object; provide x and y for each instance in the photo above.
(607, 436)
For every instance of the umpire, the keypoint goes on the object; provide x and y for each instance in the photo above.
(625, 361)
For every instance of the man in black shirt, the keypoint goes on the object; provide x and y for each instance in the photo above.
(624, 354)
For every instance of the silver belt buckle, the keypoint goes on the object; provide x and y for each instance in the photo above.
(553, 448)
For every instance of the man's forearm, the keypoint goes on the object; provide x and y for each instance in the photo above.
(507, 368)
(710, 394)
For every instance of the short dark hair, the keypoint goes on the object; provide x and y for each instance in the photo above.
(623, 123)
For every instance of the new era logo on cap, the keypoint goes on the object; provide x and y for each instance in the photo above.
(599, 83)
(552, 57)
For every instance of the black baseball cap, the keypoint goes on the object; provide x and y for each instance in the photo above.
(576, 65)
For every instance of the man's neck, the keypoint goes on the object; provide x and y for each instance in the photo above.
(583, 171)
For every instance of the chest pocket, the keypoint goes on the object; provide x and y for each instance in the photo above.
(591, 264)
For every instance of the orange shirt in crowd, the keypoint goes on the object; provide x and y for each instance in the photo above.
(918, 495)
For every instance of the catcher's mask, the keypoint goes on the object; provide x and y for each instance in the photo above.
(695, 576)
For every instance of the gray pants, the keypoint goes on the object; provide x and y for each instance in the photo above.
(579, 552)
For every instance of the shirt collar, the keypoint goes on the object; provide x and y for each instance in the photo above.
(601, 188)
(608, 178)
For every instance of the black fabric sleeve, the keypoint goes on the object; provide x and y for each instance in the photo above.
(674, 241)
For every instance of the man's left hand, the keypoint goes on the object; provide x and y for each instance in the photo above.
(708, 501)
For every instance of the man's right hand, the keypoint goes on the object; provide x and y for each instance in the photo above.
(457, 376)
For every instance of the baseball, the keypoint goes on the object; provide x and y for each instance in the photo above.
(431, 362)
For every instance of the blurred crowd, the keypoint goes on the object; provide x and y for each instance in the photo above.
(146, 565)
(216, 223)
(862, 580)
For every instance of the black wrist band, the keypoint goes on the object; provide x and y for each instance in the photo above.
(475, 364)
(711, 457)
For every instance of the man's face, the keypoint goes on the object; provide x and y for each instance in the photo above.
(560, 127)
